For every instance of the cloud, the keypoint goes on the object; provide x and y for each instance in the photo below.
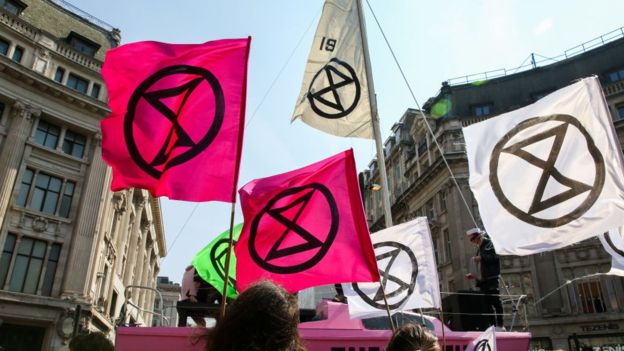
(543, 27)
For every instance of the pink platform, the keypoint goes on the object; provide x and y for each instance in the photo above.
(335, 332)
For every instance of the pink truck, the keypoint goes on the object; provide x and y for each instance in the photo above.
(333, 331)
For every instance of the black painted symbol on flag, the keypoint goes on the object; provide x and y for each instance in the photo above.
(617, 250)
(549, 171)
(178, 139)
(218, 255)
(403, 289)
(483, 345)
(313, 245)
(340, 95)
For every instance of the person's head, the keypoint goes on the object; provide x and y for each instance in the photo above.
(413, 337)
(91, 342)
(475, 235)
(263, 317)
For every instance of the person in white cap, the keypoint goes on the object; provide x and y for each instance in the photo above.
(488, 262)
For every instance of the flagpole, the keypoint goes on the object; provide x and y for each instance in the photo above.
(385, 192)
(227, 259)
(443, 325)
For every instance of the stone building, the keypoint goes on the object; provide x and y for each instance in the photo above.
(584, 313)
(170, 293)
(70, 247)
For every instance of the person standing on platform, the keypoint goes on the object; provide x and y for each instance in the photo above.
(488, 263)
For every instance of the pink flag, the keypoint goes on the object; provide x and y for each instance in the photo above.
(305, 228)
(178, 112)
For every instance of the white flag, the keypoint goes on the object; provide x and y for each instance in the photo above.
(613, 243)
(485, 342)
(550, 174)
(407, 266)
(334, 94)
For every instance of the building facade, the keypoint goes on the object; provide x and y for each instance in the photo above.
(167, 315)
(70, 247)
(584, 313)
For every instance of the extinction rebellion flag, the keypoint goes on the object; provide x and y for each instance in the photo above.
(334, 94)
(549, 174)
(613, 243)
(409, 273)
(210, 262)
(178, 112)
(305, 228)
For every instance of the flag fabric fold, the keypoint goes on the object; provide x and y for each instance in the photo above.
(613, 243)
(485, 341)
(178, 112)
(550, 174)
(334, 94)
(210, 262)
(305, 228)
(409, 273)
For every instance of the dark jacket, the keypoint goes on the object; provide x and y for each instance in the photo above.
(490, 265)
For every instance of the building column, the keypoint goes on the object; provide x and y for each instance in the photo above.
(13, 151)
(134, 237)
(85, 233)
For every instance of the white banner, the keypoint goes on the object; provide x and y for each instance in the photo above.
(406, 262)
(613, 243)
(485, 342)
(550, 174)
(334, 94)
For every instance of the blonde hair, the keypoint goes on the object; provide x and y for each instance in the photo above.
(413, 337)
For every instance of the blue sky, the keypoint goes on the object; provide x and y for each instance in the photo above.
(433, 40)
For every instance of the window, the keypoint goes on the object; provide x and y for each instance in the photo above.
(47, 134)
(74, 144)
(28, 264)
(68, 194)
(95, 91)
(82, 44)
(25, 187)
(5, 259)
(18, 53)
(50, 271)
(443, 201)
(591, 296)
(60, 73)
(620, 111)
(13, 6)
(482, 110)
(46, 193)
(77, 83)
(615, 76)
(447, 241)
(4, 46)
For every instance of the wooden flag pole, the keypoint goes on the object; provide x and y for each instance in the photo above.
(227, 260)
(385, 192)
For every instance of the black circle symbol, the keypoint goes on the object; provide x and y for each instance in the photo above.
(612, 245)
(404, 288)
(297, 198)
(218, 254)
(483, 345)
(177, 136)
(549, 170)
(339, 80)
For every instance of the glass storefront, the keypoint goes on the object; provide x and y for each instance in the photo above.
(604, 342)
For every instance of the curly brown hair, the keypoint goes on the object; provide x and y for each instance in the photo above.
(413, 337)
(264, 317)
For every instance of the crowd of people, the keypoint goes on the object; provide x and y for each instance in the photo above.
(265, 316)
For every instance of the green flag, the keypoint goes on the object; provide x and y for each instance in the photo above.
(210, 261)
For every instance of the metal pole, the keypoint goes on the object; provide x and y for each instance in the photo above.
(385, 192)
(227, 260)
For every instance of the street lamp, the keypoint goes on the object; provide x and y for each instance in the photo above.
(375, 187)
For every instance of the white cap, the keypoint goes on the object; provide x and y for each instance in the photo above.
(473, 231)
